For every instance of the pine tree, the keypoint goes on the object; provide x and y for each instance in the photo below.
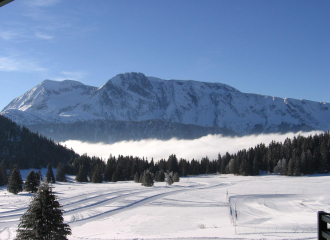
(169, 179)
(81, 175)
(2, 181)
(44, 218)
(176, 177)
(114, 177)
(39, 175)
(141, 177)
(147, 179)
(50, 175)
(32, 182)
(173, 165)
(109, 169)
(60, 173)
(156, 177)
(284, 170)
(161, 176)
(15, 181)
(97, 175)
(291, 167)
(136, 177)
(3, 173)
(15, 166)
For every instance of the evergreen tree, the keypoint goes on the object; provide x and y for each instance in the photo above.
(284, 167)
(2, 181)
(39, 175)
(169, 178)
(97, 175)
(50, 178)
(32, 182)
(15, 166)
(310, 162)
(173, 165)
(147, 179)
(161, 176)
(60, 173)
(3, 173)
(290, 167)
(44, 218)
(15, 181)
(141, 177)
(81, 175)
(156, 177)
(255, 166)
(176, 177)
(111, 164)
(136, 177)
(114, 177)
(297, 168)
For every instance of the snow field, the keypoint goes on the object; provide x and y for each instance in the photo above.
(268, 207)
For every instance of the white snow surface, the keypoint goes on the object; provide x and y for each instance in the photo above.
(135, 97)
(267, 206)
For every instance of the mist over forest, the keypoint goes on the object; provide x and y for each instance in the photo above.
(210, 146)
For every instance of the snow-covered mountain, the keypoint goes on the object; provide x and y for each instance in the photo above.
(133, 97)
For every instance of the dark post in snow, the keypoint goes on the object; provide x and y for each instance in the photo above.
(323, 219)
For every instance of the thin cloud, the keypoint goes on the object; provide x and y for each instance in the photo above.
(16, 64)
(74, 75)
(43, 36)
(11, 34)
(210, 146)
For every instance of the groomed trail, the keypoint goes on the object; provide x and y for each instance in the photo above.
(198, 208)
(153, 194)
(75, 207)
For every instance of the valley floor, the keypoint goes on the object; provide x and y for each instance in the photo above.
(201, 207)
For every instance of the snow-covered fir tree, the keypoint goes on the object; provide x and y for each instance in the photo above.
(43, 219)
(147, 179)
(176, 177)
(136, 177)
(169, 178)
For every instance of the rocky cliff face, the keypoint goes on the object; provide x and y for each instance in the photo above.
(133, 97)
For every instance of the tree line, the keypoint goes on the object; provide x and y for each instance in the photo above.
(293, 157)
(297, 156)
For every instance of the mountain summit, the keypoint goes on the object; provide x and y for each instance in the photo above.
(133, 97)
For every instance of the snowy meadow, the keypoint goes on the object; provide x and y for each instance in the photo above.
(199, 207)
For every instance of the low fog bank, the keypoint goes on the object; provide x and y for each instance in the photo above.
(209, 146)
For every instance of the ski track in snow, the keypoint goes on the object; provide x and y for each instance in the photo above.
(135, 204)
(74, 206)
(267, 213)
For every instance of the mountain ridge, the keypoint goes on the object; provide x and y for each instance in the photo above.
(136, 97)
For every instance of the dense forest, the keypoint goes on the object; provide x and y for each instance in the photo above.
(20, 146)
(297, 156)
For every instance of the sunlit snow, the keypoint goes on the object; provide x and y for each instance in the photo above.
(268, 207)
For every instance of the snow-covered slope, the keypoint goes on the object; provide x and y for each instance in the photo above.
(48, 102)
(135, 97)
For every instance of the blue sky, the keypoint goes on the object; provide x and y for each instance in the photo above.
(277, 47)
